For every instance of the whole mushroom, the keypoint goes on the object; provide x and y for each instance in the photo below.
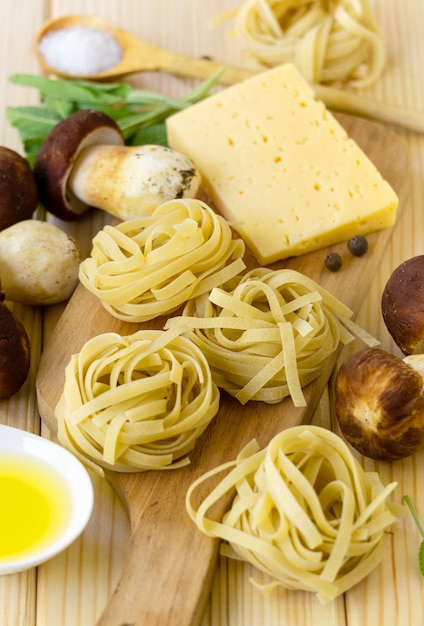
(85, 163)
(15, 352)
(379, 403)
(402, 305)
(18, 190)
(39, 263)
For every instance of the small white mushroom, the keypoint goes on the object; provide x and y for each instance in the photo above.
(39, 263)
(84, 163)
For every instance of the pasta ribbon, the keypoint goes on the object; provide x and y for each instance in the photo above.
(150, 266)
(330, 41)
(305, 512)
(268, 334)
(136, 403)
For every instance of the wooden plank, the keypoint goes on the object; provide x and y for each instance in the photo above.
(71, 581)
(18, 592)
(161, 530)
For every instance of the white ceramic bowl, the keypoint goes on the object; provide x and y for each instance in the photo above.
(39, 481)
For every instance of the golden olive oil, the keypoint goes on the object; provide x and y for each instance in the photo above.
(35, 505)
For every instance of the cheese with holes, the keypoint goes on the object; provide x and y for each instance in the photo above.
(280, 168)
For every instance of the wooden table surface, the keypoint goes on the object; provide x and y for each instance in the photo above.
(73, 588)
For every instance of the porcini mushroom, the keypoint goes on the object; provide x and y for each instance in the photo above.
(18, 190)
(379, 403)
(84, 163)
(15, 352)
(402, 305)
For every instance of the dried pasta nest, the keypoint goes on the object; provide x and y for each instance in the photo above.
(268, 334)
(150, 266)
(137, 402)
(305, 512)
(330, 42)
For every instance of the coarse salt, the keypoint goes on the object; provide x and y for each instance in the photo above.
(80, 50)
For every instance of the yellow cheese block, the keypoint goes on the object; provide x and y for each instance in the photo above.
(280, 168)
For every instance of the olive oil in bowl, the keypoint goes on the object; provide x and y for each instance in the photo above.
(46, 499)
(35, 504)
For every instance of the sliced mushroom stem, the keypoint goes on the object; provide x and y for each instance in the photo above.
(130, 181)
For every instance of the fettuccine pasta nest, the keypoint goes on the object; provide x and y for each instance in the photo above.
(136, 403)
(330, 41)
(305, 512)
(269, 334)
(150, 266)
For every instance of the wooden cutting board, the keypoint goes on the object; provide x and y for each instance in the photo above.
(167, 577)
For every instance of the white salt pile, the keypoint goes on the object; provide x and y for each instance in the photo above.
(80, 50)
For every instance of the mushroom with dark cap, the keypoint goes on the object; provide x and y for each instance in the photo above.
(402, 305)
(15, 351)
(379, 403)
(18, 190)
(85, 163)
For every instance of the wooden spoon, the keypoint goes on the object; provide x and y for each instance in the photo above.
(140, 56)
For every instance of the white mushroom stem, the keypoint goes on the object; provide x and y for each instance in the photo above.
(130, 181)
(417, 362)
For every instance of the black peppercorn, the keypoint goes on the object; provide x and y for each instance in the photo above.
(357, 245)
(333, 261)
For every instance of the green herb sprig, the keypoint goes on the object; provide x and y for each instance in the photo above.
(139, 113)
(411, 507)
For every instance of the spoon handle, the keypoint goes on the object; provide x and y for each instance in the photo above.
(141, 56)
(202, 68)
(336, 99)
(348, 102)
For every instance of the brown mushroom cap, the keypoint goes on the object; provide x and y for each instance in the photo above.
(54, 162)
(402, 305)
(379, 404)
(15, 352)
(18, 191)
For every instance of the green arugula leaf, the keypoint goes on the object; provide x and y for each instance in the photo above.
(63, 108)
(420, 530)
(130, 124)
(144, 98)
(33, 114)
(73, 90)
(421, 558)
(32, 121)
(154, 134)
(140, 113)
(203, 90)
